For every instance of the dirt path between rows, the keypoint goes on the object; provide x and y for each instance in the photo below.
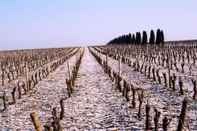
(95, 103)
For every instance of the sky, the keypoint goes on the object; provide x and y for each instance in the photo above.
(64, 23)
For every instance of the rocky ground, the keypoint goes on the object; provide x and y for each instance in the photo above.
(95, 103)
(158, 96)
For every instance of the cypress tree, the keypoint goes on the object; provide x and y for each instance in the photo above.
(158, 37)
(152, 37)
(162, 37)
(138, 38)
(129, 38)
(133, 39)
(144, 38)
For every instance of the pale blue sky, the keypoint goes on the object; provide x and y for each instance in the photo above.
(57, 23)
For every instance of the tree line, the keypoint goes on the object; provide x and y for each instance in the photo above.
(139, 38)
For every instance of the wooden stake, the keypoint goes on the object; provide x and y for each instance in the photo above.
(4, 101)
(147, 123)
(36, 121)
(62, 109)
(2, 76)
(119, 66)
(165, 123)
(27, 75)
(182, 115)
(68, 70)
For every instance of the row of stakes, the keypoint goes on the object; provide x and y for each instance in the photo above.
(126, 88)
(150, 70)
(11, 69)
(23, 87)
(164, 58)
(55, 123)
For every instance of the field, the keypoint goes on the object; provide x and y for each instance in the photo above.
(113, 87)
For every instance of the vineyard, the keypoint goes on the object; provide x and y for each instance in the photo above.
(112, 87)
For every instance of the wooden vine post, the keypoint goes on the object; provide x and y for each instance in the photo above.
(4, 101)
(147, 122)
(36, 121)
(68, 66)
(27, 75)
(62, 109)
(106, 59)
(182, 116)
(119, 66)
(2, 75)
